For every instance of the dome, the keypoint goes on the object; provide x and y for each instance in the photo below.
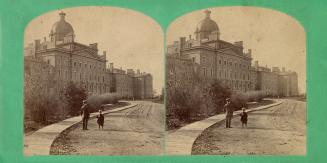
(206, 26)
(61, 28)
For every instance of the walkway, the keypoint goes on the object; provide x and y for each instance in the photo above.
(181, 141)
(39, 143)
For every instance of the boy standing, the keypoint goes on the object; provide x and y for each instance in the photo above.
(100, 119)
(244, 118)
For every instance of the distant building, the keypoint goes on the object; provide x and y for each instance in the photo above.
(212, 58)
(82, 65)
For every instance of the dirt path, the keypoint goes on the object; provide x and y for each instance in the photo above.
(135, 131)
(279, 130)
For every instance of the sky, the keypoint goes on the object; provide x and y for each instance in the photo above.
(131, 39)
(275, 38)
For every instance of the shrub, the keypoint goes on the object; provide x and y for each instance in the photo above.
(74, 97)
(254, 96)
(238, 101)
(173, 123)
(97, 100)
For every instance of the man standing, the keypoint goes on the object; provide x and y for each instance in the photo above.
(85, 113)
(229, 113)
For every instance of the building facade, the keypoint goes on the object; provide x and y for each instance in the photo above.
(213, 58)
(82, 64)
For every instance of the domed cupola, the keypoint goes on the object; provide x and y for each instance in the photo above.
(61, 29)
(206, 26)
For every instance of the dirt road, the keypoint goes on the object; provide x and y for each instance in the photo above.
(279, 130)
(135, 131)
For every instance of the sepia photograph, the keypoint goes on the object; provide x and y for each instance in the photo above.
(236, 83)
(93, 83)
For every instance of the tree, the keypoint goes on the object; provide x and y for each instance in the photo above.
(218, 94)
(74, 97)
(39, 101)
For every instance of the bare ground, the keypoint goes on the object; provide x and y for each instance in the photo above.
(279, 130)
(135, 131)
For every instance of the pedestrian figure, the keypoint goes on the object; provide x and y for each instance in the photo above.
(85, 113)
(229, 113)
(100, 120)
(244, 117)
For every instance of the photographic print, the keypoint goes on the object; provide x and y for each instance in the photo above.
(93, 83)
(236, 83)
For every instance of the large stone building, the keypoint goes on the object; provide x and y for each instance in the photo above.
(82, 65)
(213, 58)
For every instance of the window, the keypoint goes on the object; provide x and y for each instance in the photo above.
(203, 60)
(74, 64)
(219, 61)
(193, 59)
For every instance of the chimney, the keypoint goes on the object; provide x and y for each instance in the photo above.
(44, 39)
(130, 71)
(190, 37)
(250, 51)
(238, 43)
(138, 71)
(111, 66)
(94, 46)
(275, 69)
(182, 42)
(37, 44)
(256, 64)
(104, 52)
(283, 69)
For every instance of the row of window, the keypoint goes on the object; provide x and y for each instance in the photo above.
(235, 65)
(90, 66)
(89, 77)
(80, 76)
(97, 89)
(238, 85)
(225, 63)
(230, 75)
